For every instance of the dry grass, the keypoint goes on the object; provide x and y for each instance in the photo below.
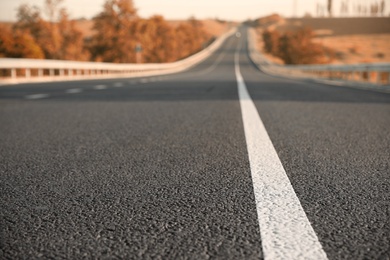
(351, 49)
(353, 40)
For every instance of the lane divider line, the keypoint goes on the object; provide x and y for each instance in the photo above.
(100, 87)
(285, 231)
(37, 96)
(73, 90)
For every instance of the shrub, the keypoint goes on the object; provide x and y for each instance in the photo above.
(271, 42)
(294, 47)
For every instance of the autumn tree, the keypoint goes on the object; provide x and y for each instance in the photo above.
(58, 38)
(294, 47)
(298, 48)
(157, 39)
(271, 42)
(72, 44)
(118, 30)
(18, 45)
(190, 37)
(48, 37)
(115, 37)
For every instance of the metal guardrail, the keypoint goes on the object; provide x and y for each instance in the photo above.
(32, 70)
(368, 73)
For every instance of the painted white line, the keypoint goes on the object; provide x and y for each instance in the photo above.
(285, 231)
(73, 90)
(118, 84)
(100, 87)
(37, 96)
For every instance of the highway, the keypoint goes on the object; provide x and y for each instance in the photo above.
(221, 161)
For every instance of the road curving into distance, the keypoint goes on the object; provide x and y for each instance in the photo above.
(219, 161)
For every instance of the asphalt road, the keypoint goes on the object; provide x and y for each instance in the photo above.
(158, 167)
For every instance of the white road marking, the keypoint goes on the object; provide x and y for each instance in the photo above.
(37, 96)
(118, 84)
(286, 232)
(100, 87)
(73, 90)
(144, 80)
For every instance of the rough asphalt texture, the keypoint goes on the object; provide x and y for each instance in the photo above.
(160, 170)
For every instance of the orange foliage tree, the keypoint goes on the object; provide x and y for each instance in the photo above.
(157, 39)
(58, 38)
(295, 47)
(117, 32)
(18, 45)
(72, 44)
(114, 40)
(190, 37)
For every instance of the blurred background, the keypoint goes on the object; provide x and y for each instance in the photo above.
(153, 31)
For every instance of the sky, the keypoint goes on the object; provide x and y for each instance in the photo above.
(237, 10)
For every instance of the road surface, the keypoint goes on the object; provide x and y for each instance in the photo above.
(187, 166)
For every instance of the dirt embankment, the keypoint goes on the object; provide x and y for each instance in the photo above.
(341, 26)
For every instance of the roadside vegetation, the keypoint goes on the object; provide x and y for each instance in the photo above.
(319, 40)
(296, 47)
(118, 31)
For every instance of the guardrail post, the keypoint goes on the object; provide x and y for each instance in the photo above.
(40, 72)
(378, 77)
(13, 73)
(51, 72)
(70, 72)
(61, 72)
(28, 73)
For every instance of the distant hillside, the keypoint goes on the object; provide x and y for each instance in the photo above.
(269, 20)
(212, 27)
(339, 26)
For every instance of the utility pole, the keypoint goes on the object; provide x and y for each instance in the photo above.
(330, 8)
